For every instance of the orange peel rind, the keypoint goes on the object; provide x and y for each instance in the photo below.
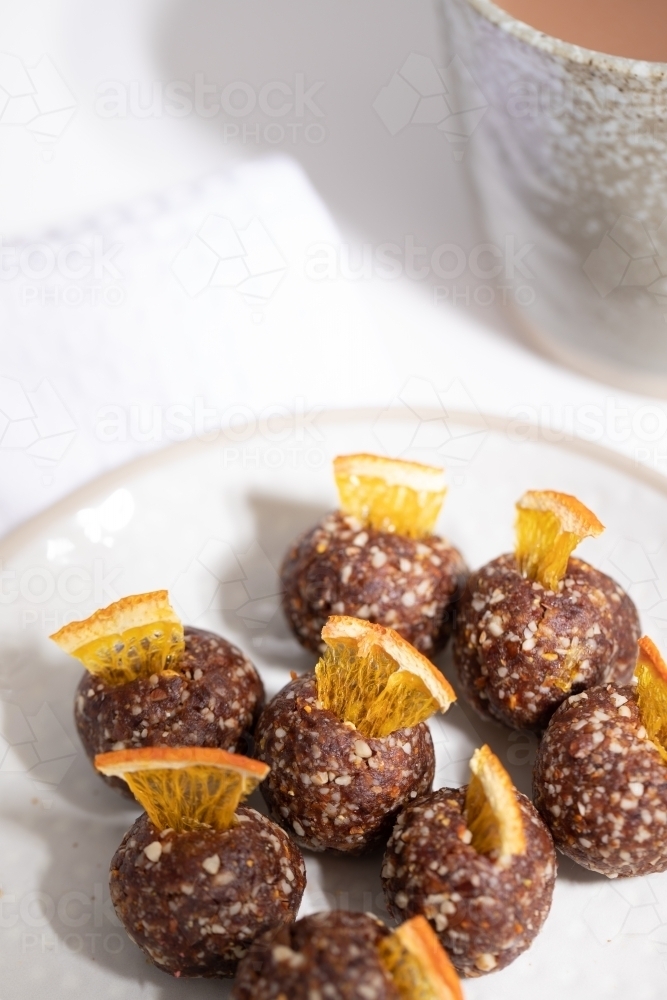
(137, 636)
(185, 788)
(418, 964)
(372, 677)
(549, 526)
(651, 677)
(492, 812)
(390, 494)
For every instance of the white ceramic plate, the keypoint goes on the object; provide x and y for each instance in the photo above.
(211, 522)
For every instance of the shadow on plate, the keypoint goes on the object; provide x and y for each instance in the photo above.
(515, 749)
(570, 871)
(70, 912)
(345, 883)
(248, 600)
(37, 723)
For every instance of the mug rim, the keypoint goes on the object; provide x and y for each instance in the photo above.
(622, 65)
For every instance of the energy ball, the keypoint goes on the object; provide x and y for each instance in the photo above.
(378, 557)
(150, 682)
(347, 956)
(210, 697)
(341, 567)
(348, 744)
(194, 901)
(198, 876)
(601, 784)
(485, 909)
(330, 786)
(320, 956)
(521, 648)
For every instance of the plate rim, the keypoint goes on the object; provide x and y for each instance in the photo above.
(88, 492)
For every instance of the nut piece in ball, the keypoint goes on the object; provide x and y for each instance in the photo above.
(347, 955)
(538, 625)
(600, 778)
(478, 863)
(377, 557)
(198, 877)
(150, 682)
(349, 745)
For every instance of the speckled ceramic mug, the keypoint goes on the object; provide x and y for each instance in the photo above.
(570, 155)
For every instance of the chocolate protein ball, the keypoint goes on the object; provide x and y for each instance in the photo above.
(341, 567)
(194, 901)
(520, 648)
(210, 697)
(484, 913)
(601, 784)
(326, 956)
(331, 787)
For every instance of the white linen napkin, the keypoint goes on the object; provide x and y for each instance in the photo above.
(229, 301)
(165, 319)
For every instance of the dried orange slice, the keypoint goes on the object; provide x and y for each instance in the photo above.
(372, 677)
(549, 526)
(137, 636)
(185, 788)
(418, 964)
(566, 673)
(492, 811)
(389, 494)
(651, 676)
